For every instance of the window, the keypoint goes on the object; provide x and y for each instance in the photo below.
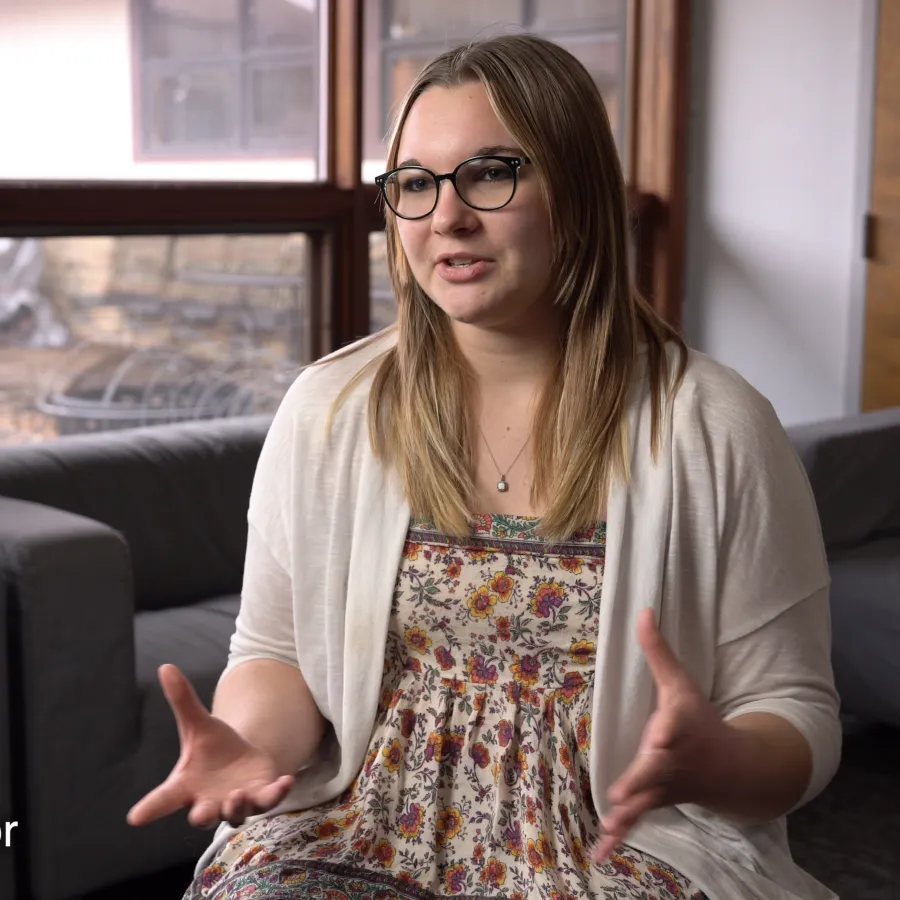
(109, 332)
(406, 34)
(188, 215)
(227, 77)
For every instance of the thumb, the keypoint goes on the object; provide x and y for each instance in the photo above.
(664, 664)
(189, 711)
(162, 801)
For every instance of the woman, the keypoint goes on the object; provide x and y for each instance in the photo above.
(535, 599)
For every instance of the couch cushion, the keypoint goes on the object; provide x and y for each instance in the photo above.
(853, 465)
(865, 605)
(194, 638)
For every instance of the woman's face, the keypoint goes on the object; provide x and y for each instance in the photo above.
(507, 288)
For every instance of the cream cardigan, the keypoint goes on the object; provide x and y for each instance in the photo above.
(721, 538)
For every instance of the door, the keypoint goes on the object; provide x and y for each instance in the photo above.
(881, 354)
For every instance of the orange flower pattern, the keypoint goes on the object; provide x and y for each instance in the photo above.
(418, 641)
(482, 601)
(476, 778)
(393, 756)
(502, 585)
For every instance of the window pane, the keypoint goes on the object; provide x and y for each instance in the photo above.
(283, 23)
(411, 33)
(192, 109)
(190, 29)
(115, 332)
(580, 14)
(602, 57)
(383, 305)
(160, 90)
(283, 105)
(436, 18)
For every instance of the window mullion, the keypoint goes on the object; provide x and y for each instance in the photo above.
(659, 113)
(243, 86)
(527, 13)
(349, 238)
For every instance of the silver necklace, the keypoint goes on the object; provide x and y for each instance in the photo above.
(503, 484)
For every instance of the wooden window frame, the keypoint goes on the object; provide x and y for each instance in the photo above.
(339, 214)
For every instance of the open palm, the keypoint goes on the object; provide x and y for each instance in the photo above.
(219, 776)
(682, 750)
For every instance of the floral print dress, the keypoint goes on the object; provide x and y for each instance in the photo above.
(476, 781)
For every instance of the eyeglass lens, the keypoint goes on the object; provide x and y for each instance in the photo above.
(484, 183)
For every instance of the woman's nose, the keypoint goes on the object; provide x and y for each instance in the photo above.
(451, 214)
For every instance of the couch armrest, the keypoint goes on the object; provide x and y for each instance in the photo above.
(853, 466)
(73, 696)
(8, 809)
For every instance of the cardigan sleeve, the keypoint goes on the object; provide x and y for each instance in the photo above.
(753, 525)
(264, 628)
(784, 668)
(771, 621)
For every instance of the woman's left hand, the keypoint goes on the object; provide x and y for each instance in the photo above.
(684, 751)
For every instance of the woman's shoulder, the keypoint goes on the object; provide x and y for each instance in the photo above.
(718, 412)
(319, 384)
(718, 395)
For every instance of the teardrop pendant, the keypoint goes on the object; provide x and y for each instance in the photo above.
(502, 486)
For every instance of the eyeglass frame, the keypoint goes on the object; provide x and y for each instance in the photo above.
(514, 162)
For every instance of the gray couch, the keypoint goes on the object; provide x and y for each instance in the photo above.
(123, 551)
(119, 552)
(854, 468)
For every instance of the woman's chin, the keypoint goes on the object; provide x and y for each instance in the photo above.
(468, 311)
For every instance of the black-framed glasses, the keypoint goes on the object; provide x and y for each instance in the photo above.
(482, 182)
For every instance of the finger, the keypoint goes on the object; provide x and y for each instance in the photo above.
(622, 819)
(605, 848)
(667, 670)
(169, 797)
(241, 813)
(186, 706)
(267, 796)
(652, 768)
(204, 814)
(234, 809)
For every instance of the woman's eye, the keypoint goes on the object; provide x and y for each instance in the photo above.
(494, 173)
(415, 185)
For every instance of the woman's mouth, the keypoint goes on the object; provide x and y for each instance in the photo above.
(462, 269)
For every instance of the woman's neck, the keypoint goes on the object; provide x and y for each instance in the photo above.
(505, 363)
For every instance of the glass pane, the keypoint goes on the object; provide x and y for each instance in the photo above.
(159, 90)
(189, 29)
(580, 14)
(194, 108)
(402, 73)
(383, 305)
(602, 56)
(283, 104)
(410, 34)
(99, 333)
(407, 19)
(283, 23)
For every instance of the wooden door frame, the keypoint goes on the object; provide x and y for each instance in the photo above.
(865, 150)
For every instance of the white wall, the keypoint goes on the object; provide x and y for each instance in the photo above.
(779, 153)
(67, 108)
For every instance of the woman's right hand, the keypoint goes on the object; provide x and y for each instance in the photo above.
(219, 776)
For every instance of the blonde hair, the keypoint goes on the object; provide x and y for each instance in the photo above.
(419, 407)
